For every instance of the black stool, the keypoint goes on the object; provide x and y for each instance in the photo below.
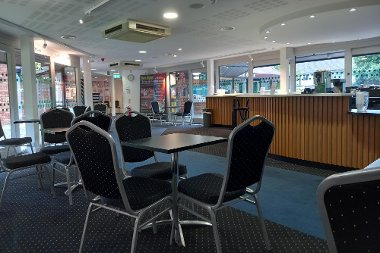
(243, 112)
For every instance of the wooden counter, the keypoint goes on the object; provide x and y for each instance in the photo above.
(316, 127)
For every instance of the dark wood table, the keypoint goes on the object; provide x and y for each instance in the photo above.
(173, 144)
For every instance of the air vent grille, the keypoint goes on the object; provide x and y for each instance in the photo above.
(149, 28)
(113, 29)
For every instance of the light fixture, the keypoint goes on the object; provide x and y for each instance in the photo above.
(45, 44)
(170, 15)
(88, 13)
(202, 64)
(250, 57)
(266, 37)
(352, 9)
(142, 52)
(283, 24)
(68, 37)
(273, 41)
(179, 49)
(137, 60)
(227, 28)
(267, 32)
(311, 16)
(287, 43)
(155, 70)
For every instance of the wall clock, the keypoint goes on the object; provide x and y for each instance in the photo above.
(131, 77)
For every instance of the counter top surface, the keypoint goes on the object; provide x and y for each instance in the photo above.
(367, 112)
(285, 95)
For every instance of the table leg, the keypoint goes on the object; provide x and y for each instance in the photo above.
(176, 227)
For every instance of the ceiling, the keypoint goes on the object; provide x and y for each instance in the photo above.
(196, 31)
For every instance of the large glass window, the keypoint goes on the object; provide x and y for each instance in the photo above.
(199, 82)
(320, 72)
(366, 70)
(233, 78)
(265, 77)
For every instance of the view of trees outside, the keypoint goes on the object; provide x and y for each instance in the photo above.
(366, 70)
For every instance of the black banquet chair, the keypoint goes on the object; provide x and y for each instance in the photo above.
(101, 108)
(248, 146)
(156, 112)
(95, 155)
(14, 142)
(186, 113)
(349, 205)
(79, 110)
(138, 126)
(63, 161)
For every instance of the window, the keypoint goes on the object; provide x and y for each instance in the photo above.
(319, 69)
(266, 76)
(366, 70)
(233, 78)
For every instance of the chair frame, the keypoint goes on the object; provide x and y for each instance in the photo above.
(156, 113)
(184, 115)
(66, 167)
(13, 146)
(349, 177)
(39, 169)
(135, 214)
(250, 195)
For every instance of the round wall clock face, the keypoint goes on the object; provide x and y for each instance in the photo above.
(131, 77)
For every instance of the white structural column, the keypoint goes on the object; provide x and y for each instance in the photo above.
(210, 77)
(112, 96)
(292, 72)
(87, 79)
(348, 66)
(250, 76)
(30, 87)
(12, 89)
(286, 54)
(52, 85)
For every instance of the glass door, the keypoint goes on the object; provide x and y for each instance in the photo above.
(4, 96)
(179, 89)
(199, 82)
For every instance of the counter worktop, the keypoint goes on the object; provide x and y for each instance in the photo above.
(244, 95)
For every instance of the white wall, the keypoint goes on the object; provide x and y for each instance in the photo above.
(131, 89)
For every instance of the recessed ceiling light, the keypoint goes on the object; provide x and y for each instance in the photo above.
(174, 55)
(68, 37)
(170, 15)
(311, 16)
(179, 49)
(266, 37)
(308, 43)
(287, 43)
(267, 32)
(283, 24)
(196, 6)
(273, 41)
(142, 52)
(227, 28)
(137, 60)
(352, 9)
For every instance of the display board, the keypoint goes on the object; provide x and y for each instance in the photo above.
(152, 87)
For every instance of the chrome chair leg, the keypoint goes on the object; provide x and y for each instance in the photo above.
(4, 186)
(85, 227)
(262, 224)
(135, 235)
(69, 192)
(215, 231)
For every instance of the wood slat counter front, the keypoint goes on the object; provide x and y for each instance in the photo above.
(315, 127)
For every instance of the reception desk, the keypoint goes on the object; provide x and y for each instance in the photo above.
(312, 127)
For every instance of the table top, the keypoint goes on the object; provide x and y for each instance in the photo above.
(27, 121)
(175, 142)
(56, 130)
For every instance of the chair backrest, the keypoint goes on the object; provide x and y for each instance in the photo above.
(349, 204)
(101, 108)
(155, 107)
(79, 110)
(248, 146)
(133, 127)
(97, 118)
(52, 119)
(95, 155)
(187, 107)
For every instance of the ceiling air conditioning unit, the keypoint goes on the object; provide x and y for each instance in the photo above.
(136, 31)
(125, 65)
